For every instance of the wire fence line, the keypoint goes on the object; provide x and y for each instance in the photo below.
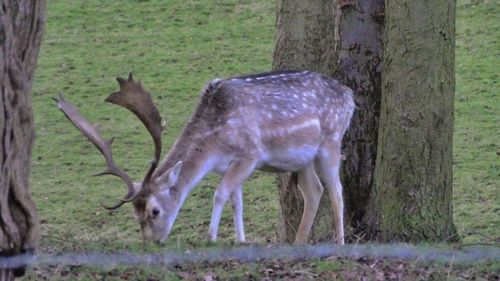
(471, 254)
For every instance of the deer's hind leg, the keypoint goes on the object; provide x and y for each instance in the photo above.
(328, 161)
(311, 189)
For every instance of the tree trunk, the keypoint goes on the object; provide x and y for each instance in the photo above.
(21, 25)
(411, 199)
(359, 37)
(341, 39)
(305, 36)
(305, 40)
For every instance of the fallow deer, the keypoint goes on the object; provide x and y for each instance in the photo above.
(279, 122)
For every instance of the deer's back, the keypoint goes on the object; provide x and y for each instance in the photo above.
(273, 111)
(277, 99)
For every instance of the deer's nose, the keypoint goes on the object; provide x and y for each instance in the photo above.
(147, 234)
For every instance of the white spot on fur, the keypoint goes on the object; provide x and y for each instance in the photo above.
(306, 124)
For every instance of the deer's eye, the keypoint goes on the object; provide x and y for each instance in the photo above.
(155, 212)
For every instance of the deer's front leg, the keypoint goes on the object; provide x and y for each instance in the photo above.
(231, 183)
(237, 204)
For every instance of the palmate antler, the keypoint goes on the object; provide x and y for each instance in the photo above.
(133, 97)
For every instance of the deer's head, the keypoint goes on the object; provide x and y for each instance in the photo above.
(152, 197)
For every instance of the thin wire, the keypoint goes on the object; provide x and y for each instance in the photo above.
(254, 253)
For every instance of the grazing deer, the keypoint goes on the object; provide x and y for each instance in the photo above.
(279, 122)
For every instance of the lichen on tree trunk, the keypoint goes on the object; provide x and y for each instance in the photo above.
(21, 26)
(411, 200)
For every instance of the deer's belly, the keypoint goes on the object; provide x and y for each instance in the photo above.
(288, 159)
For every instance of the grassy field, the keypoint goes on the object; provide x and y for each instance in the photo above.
(175, 47)
(477, 121)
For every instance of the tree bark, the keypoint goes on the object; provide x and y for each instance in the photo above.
(359, 26)
(411, 199)
(21, 26)
(305, 40)
(305, 36)
(342, 39)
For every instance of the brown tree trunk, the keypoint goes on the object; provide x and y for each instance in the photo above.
(21, 25)
(305, 40)
(411, 199)
(341, 39)
(305, 36)
(359, 37)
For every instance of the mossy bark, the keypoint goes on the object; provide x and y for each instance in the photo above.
(341, 39)
(21, 25)
(412, 195)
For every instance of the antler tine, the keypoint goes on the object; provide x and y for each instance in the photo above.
(114, 207)
(135, 98)
(91, 133)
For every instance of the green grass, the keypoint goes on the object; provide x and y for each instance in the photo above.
(476, 196)
(175, 47)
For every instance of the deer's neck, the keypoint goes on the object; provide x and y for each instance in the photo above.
(196, 162)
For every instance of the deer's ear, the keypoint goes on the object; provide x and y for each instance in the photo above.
(169, 177)
(174, 172)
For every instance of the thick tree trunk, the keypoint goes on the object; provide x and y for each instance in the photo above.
(305, 36)
(359, 37)
(21, 25)
(341, 39)
(411, 199)
(305, 40)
